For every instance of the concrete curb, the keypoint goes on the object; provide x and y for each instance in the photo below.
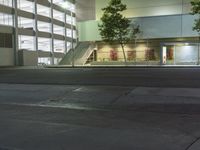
(66, 66)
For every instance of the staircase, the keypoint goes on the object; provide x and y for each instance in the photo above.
(81, 53)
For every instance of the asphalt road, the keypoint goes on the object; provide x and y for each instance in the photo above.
(146, 77)
(100, 109)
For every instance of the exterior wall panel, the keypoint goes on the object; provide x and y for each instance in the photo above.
(174, 26)
(6, 57)
(142, 8)
(6, 29)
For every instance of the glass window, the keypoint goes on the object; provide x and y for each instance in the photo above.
(44, 26)
(68, 46)
(57, 60)
(58, 15)
(74, 34)
(26, 5)
(59, 30)
(6, 19)
(44, 44)
(25, 23)
(65, 4)
(69, 33)
(44, 60)
(70, 20)
(43, 10)
(186, 54)
(58, 2)
(74, 21)
(59, 46)
(69, 6)
(26, 42)
(6, 2)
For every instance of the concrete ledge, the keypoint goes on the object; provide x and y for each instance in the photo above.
(122, 66)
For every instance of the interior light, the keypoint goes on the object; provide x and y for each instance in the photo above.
(186, 44)
(64, 5)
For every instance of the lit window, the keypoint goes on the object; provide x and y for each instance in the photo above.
(44, 44)
(57, 60)
(69, 6)
(44, 60)
(25, 23)
(65, 4)
(6, 2)
(26, 42)
(44, 26)
(74, 34)
(59, 46)
(58, 15)
(69, 46)
(43, 10)
(58, 30)
(69, 33)
(26, 5)
(70, 20)
(6, 19)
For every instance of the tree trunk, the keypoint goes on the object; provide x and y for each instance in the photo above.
(125, 61)
(135, 46)
(198, 49)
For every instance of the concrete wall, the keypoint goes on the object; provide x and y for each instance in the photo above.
(85, 10)
(167, 26)
(142, 8)
(88, 31)
(152, 27)
(6, 54)
(6, 29)
(6, 57)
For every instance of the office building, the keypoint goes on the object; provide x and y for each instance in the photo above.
(65, 32)
(166, 36)
(36, 32)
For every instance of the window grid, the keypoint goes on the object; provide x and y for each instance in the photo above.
(39, 41)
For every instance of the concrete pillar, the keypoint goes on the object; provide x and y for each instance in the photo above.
(36, 28)
(72, 40)
(16, 33)
(52, 34)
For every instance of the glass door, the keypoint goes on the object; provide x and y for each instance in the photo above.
(180, 54)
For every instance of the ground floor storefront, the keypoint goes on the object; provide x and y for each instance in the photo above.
(183, 51)
(180, 54)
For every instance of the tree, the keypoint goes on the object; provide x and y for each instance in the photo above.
(196, 11)
(114, 27)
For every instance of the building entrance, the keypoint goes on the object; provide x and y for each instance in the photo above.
(180, 54)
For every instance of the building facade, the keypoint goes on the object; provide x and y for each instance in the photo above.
(166, 36)
(36, 32)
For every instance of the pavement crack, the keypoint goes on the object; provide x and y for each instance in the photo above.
(121, 95)
(192, 143)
